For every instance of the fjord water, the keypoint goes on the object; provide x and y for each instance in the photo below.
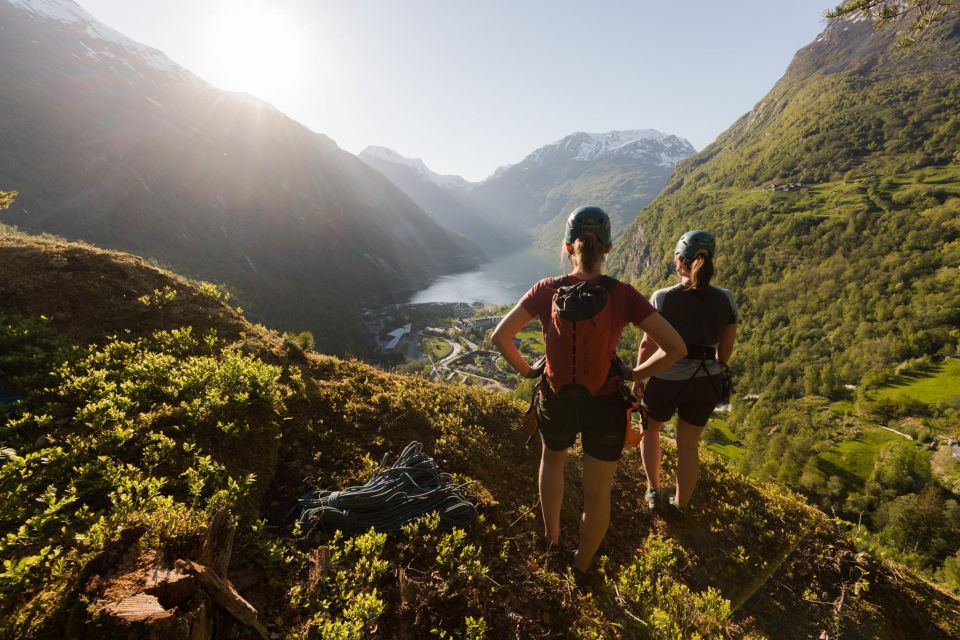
(501, 280)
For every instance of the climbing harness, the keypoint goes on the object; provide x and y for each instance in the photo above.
(531, 424)
(726, 383)
(413, 486)
(632, 438)
(705, 355)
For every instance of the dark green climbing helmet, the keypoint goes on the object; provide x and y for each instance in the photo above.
(588, 220)
(693, 243)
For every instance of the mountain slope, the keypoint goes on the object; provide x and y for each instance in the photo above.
(864, 143)
(164, 425)
(111, 142)
(619, 170)
(446, 198)
(836, 204)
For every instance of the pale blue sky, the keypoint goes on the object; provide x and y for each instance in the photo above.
(469, 86)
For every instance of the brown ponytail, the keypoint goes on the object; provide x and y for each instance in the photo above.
(587, 252)
(701, 271)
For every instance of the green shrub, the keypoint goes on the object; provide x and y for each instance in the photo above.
(303, 340)
(134, 431)
(346, 599)
(158, 298)
(663, 606)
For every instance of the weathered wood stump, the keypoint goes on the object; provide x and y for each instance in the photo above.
(223, 593)
(141, 599)
(218, 546)
(138, 597)
(141, 607)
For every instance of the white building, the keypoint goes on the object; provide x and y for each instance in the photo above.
(487, 322)
(396, 335)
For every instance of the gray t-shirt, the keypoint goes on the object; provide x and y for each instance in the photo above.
(700, 318)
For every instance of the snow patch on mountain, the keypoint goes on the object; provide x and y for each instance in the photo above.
(591, 145)
(666, 152)
(70, 13)
(60, 10)
(389, 155)
(657, 147)
(837, 28)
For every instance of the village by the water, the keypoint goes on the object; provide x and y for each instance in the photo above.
(451, 342)
(447, 341)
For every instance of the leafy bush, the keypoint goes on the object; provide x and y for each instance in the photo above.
(346, 596)
(158, 298)
(29, 349)
(663, 606)
(303, 340)
(134, 431)
(6, 199)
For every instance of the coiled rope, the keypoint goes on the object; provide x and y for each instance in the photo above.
(413, 486)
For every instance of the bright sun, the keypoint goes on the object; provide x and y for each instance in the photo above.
(258, 50)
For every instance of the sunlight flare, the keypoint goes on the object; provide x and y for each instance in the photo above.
(258, 49)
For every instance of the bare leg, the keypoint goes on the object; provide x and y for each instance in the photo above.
(688, 460)
(650, 453)
(597, 482)
(551, 491)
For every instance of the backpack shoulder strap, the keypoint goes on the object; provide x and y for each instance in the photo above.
(608, 282)
(558, 282)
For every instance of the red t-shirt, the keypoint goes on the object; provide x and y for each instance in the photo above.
(628, 306)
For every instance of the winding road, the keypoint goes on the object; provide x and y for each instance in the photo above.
(458, 351)
(899, 433)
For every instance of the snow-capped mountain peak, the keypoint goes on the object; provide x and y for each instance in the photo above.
(389, 155)
(73, 16)
(590, 145)
(60, 10)
(657, 147)
(666, 152)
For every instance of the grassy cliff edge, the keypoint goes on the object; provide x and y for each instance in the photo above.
(149, 404)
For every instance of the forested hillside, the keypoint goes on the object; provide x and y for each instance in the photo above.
(111, 142)
(836, 205)
(139, 405)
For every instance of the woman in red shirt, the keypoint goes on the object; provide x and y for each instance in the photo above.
(598, 415)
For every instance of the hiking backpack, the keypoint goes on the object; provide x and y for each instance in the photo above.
(578, 335)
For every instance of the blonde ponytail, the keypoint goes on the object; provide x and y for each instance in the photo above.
(587, 252)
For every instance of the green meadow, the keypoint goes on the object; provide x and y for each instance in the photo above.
(436, 347)
(937, 383)
(721, 441)
(533, 338)
(853, 460)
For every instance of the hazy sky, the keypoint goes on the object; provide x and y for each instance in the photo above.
(469, 86)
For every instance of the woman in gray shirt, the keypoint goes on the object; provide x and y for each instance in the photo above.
(706, 319)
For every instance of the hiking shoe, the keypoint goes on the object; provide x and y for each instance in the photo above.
(652, 496)
(676, 508)
(589, 581)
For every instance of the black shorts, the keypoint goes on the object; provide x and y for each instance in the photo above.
(601, 421)
(693, 400)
